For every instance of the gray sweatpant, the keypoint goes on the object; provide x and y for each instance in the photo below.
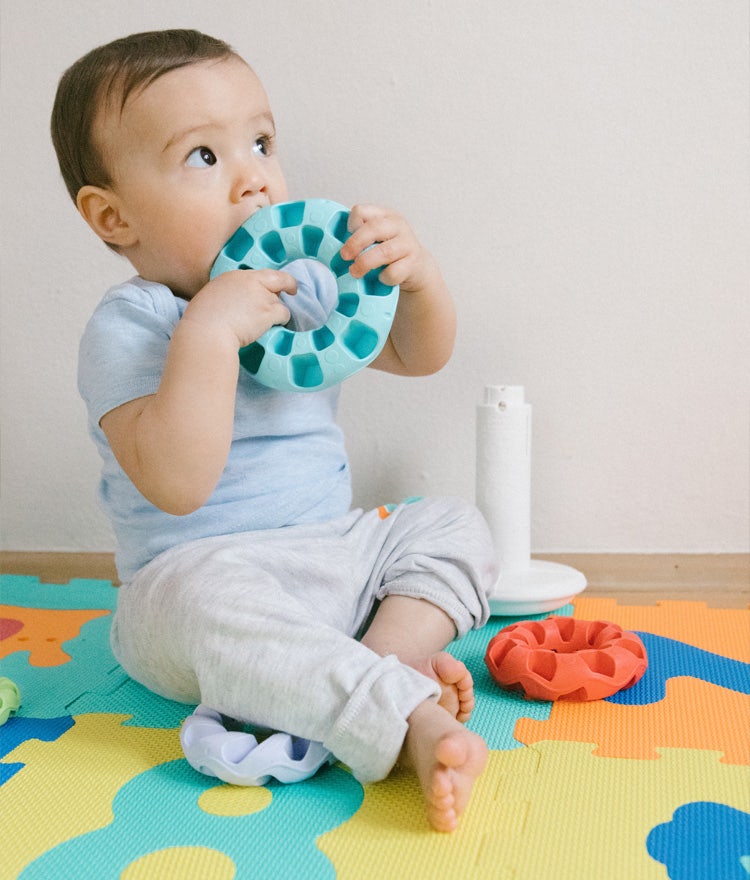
(263, 626)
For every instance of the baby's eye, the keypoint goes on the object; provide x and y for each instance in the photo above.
(262, 145)
(201, 157)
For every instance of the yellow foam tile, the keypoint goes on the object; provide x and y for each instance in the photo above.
(548, 810)
(42, 805)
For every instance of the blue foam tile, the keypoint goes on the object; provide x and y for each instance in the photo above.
(703, 839)
(17, 730)
(668, 658)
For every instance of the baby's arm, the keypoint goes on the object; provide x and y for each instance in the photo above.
(174, 444)
(424, 328)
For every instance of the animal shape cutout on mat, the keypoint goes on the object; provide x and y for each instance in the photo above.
(162, 808)
(356, 329)
(19, 730)
(669, 658)
(76, 672)
(686, 718)
(41, 631)
(703, 840)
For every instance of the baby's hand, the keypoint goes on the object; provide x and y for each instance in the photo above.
(381, 237)
(244, 302)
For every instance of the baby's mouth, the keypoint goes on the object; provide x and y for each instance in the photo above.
(253, 211)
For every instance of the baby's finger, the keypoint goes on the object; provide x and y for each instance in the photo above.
(376, 228)
(361, 214)
(381, 254)
(396, 273)
(278, 281)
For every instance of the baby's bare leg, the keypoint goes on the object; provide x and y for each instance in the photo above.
(416, 631)
(445, 755)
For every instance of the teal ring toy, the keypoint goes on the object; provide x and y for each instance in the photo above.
(357, 328)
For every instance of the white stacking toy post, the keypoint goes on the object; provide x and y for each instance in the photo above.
(503, 495)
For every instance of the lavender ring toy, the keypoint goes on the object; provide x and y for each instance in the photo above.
(238, 758)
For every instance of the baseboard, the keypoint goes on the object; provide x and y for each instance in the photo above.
(660, 571)
(59, 568)
(604, 571)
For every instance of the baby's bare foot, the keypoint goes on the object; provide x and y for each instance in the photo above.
(448, 759)
(456, 683)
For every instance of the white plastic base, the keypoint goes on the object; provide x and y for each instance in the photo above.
(542, 587)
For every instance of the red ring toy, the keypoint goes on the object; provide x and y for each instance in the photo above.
(561, 658)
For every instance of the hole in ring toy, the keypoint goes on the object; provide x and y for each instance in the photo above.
(561, 658)
(356, 329)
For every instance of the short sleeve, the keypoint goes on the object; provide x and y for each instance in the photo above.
(124, 346)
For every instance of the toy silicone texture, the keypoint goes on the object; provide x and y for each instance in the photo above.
(356, 329)
(239, 759)
(10, 698)
(561, 658)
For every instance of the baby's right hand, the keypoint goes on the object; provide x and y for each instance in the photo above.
(244, 302)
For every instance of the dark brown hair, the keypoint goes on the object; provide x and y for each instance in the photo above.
(113, 72)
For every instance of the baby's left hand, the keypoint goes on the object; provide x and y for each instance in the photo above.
(381, 237)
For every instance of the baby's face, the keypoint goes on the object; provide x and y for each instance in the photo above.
(192, 156)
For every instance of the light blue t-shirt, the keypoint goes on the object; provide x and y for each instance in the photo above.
(287, 464)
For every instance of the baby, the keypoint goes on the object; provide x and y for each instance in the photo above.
(248, 583)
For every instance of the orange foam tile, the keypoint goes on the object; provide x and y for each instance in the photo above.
(44, 632)
(724, 631)
(693, 715)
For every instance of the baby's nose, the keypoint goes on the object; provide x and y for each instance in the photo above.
(249, 180)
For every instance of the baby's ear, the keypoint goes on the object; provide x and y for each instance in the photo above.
(99, 207)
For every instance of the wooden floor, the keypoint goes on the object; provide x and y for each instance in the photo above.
(720, 580)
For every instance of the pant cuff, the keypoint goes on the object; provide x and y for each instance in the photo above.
(369, 734)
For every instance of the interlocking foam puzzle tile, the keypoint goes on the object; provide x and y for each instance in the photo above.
(67, 786)
(551, 810)
(47, 691)
(145, 708)
(283, 827)
(87, 678)
(497, 710)
(109, 791)
(693, 715)
(79, 594)
(703, 840)
(41, 632)
(724, 631)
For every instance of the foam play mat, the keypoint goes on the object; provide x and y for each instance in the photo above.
(652, 782)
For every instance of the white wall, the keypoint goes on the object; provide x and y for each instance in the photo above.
(580, 168)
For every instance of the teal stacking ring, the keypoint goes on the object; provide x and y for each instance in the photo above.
(356, 329)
